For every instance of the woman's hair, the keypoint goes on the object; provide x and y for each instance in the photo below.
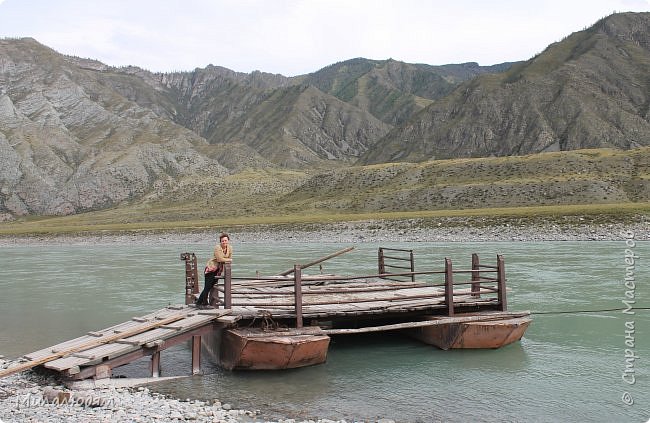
(224, 235)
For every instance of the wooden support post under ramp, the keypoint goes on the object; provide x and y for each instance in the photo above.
(196, 354)
(155, 364)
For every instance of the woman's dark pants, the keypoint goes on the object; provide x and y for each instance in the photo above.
(210, 279)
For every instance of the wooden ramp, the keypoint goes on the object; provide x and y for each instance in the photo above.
(97, 353)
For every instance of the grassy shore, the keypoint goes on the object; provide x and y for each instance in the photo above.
(602, 185)
(559, 218)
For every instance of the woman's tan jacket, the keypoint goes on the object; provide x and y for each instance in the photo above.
(220, 256)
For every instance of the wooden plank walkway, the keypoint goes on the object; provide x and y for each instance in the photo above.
(151, 332)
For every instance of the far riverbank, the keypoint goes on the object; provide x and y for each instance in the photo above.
(451, 229)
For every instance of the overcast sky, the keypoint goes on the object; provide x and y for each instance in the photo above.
(294, 37)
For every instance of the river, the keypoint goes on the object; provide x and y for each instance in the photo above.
(575, 362)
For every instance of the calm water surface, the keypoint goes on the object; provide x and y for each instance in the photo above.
(568, 366)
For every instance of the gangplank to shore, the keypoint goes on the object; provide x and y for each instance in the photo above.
(286, 320)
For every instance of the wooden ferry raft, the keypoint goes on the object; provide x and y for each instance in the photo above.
(447, 308)
(286, 321)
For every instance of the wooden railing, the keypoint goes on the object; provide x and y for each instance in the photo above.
(477, 279)
(395, 261)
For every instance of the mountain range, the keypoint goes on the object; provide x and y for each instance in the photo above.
(77, 135)
(590, 90)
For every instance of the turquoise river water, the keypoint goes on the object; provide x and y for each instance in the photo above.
(575, 362)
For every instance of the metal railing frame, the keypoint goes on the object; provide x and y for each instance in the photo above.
(226, 283)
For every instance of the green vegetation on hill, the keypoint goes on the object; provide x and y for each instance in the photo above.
(604, 184)
(561, 178)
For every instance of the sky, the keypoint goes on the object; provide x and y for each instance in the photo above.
(295, 37)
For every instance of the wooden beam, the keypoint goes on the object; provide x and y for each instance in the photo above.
(501, 283)
(322, 259)
(449, 287)
(227, 286)
(483, 317)
(127, 358)
(476, 277)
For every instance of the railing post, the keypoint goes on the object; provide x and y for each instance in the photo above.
(191, 277)
(412, 267)
(501, 283)
(214, 292)
(449, 287)
(227, 285)
(297, 290)
(380, 261)
(476, 276)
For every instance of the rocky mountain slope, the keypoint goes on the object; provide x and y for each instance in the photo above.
(393, 91)
(69, 142)
(589, 90)
(613, 182)
(336, 113)
(77, 135)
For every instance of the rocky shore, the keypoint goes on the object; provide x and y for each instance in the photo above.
(30, 397)
(454, 229)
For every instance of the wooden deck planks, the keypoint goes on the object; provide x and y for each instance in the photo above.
(121, 327)
(36, 355)
(334, 299)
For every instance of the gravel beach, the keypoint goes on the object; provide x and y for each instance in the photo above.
(30, 397)
(452, 229)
